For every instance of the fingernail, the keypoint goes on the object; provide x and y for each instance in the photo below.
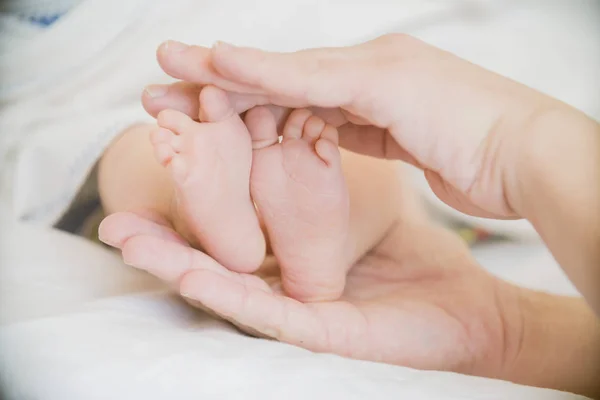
(127, 261)
(155, 91)
(222, 45)
(107, 241)
(102, 238)
(187, 295)
(175, 46)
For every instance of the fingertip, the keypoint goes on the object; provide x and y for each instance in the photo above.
(221, 46)
(148, 103)
(116, 229)
(156, 91)
(161, 51)
(152, 96)
(195, 64)
(169, 48)
(166, 259)
(106, 233)
(187, 63)
(163, 56)
(134, 251)
(180, 96)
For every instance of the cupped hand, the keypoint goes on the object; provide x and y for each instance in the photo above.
(418, 299)
(393, 97)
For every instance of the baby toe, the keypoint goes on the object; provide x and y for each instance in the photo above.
(175, 121)
(327, 148)
(262, 127)
(163, 153)
(214, 105)
(313, 128)
(331, 134)
(295, 124)
(179, 169)
(161, 135)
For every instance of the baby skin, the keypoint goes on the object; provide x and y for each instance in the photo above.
(297, 185)
(220, 182)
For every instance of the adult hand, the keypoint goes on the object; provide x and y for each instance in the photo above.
(418, 299)
(393, 97)
(489, 146)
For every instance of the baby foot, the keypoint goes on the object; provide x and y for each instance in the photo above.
(300, 191)
(210, 165)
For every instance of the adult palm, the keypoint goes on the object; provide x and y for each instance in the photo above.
(417, 299)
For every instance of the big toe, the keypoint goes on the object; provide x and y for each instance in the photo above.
(261, 124)
(214, 105)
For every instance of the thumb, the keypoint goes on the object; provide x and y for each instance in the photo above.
(375, 142)
(324, 77)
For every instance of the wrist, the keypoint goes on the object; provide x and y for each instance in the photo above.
(557, 189)
(552, 342)
(553, 140)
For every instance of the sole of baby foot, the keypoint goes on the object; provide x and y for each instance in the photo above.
(299, 188)
(210, 166)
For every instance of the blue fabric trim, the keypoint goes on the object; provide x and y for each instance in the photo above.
(45, 20)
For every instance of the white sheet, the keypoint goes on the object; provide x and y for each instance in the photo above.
(77, 324)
